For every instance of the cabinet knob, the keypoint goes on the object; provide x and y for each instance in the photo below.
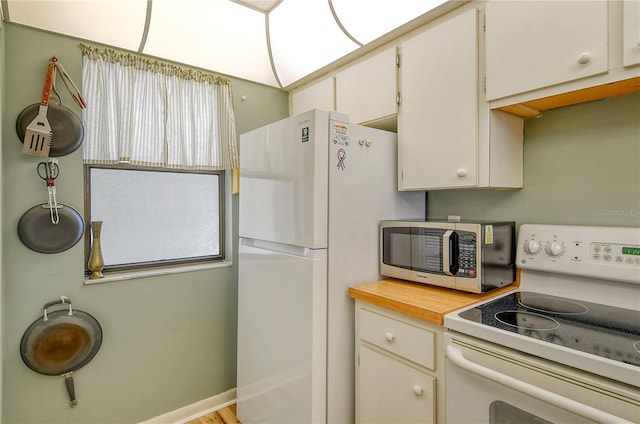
(389, 336)
(461, 172)
(584, 58)
(417, 390)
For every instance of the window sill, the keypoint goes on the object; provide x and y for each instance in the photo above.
(133, 275)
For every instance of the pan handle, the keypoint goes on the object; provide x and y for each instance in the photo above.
(68, 381)
(63, 300)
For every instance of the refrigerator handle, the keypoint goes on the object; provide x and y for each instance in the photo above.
(276, 247)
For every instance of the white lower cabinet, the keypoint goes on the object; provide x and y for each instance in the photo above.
(398, 379)
(392, 391)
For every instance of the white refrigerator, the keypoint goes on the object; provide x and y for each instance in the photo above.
(313, 189)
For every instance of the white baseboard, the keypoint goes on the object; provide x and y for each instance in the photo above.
(195, 410)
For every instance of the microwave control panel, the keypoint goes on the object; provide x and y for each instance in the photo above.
(467, 257)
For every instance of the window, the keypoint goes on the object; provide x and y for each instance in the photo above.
(159, 140)
(156, 218)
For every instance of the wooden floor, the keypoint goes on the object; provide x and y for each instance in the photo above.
(223, 416)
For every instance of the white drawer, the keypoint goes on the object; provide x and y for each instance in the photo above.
(410, 342)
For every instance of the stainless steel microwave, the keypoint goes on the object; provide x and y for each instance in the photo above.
(475, 257)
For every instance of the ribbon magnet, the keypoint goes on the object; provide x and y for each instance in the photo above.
(341, 156)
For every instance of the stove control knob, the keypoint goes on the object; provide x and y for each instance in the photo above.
(532, 247)
(554, 249)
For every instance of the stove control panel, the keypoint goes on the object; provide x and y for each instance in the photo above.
(600, 252)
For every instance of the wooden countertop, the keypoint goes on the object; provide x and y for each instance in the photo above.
(422, 301)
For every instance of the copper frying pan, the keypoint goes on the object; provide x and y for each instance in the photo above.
(61, 342)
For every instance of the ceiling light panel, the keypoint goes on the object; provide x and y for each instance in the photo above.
(118, 23)
(367, 20)
(305, 37)
(262, 5)
(218, 35)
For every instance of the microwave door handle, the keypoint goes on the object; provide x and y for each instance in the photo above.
(450, 252)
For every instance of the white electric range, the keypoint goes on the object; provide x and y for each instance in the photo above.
(564, 347)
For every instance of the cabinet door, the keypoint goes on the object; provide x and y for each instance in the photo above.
(318, 95)
(631, 31)
(367, 90)
(535, 44)
(393, 392)
(438, 118)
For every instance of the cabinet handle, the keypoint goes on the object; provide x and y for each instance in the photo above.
(461, 172)
(417, 390)
(389, 336)
(584, 58)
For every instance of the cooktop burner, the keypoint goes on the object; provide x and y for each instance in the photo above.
(548, 304)
(596, 329)
(527, 320)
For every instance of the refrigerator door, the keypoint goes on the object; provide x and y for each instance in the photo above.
(284, 180)
(282, 294)
(362, 192)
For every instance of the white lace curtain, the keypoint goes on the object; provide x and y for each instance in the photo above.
(145, 112)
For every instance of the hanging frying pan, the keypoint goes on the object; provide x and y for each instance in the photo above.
(67, 128)
(38, 233)
(61, 342)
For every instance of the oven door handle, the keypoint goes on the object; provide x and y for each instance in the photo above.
(456, 356)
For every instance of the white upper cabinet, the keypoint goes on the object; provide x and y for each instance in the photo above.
(317, 95)
(438, 120)
(367, 90)
(536, 44)
(631, 33)
(447, 137)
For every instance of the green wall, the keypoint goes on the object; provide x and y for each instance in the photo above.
(169, 341)
(581, 167)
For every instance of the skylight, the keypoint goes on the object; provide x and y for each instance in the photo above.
(273, 42)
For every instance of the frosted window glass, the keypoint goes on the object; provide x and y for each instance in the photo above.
(155, 216)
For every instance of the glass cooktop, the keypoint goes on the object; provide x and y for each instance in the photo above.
(596, 329)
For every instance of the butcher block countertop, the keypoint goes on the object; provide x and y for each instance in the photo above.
(422, 301)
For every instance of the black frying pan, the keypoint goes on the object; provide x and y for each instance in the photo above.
(67, 128)
(38, 233)
(61, 342)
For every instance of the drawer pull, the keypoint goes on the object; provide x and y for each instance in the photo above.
(417, 390)
(389, 336)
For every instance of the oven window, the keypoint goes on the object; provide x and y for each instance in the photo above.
(504, 413)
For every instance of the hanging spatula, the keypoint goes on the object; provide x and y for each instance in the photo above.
(38, 134)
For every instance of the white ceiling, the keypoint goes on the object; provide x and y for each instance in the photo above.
(274, 42)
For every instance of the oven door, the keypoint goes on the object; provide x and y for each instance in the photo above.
(486, 383)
